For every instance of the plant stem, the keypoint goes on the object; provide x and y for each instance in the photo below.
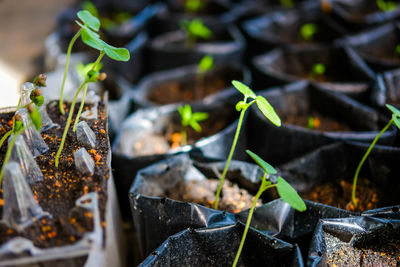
(184, 135)
(68, 124)
(85, 91)
(71, 44)
(221, 181)
(5, 137)
(263, 187)
(353, 193)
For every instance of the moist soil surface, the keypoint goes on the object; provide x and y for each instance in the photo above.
(61, 187)
(233, 199)
(319, 122)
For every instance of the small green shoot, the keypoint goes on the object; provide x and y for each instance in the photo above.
(308, 31)
(188, 118)
(267, 110)
(194, 6)
(287, 3)
(285, 191)
(205, 65)
(397, 51)
(82, 70)
(313, 123)
(386, 5)
(195, 29)
(317, 71)
(396, 120)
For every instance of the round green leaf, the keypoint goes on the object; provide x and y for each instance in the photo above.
(268, 110)
(119, 54)
(90, 38)
(393, 110)
(266, 167)
(244, 89)
(90, 20)
(289, 195)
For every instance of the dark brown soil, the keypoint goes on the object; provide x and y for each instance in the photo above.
(191, 90)
(233, 199)
(321, 123)
(61, 187)
(338, 194)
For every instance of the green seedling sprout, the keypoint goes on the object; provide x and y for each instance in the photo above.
(397, 51)
(308, 31)
(287, 3)
(317, 70)
(285, 191)
(313, 123)
(195, 29)
(205, 65)
(92, 39)
(194, 6)
(386, 5)
(267, 110)
(188, 118)
(396, 120)
(82, 69)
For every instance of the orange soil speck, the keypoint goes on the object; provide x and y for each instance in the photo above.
(97, 157)
(1, 202)
(72, 238)
(89, 215)
(10, 232)
(102, 131)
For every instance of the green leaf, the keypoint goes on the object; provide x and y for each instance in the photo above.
(289, 195)
(396, 120)
(18, 126)
(206, 64)
(268, 110)
(88, 19)
(200, 116)
(266, 167)
(82, 69)
(244, 89)
(118, 54)
(36, 118)
(89, 37)
(393, 110)
(195, 125)
(89, 6)
(38, 100)
(308, 31)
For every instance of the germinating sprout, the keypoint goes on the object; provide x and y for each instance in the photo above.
(192, 119)
(308, 31)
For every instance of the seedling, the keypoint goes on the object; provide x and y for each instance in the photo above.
(396, 120)
(313, 123)
(287, 3)
(91, 38)
(82, 69)
(194, 6)
(397, 51)
(263, 105)
(285, 191)
(205, 65)
(317, 71)
(308, 31)
(188, 118)
(195, 29)
(107, 23)
(386, 5)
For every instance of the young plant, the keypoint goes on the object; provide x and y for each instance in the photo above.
(92, 39)
(82, 69)
(285, 191)
(287, 3)
(317, 71)
(313, 123)
(206, 64)
(267, 110)
(386, 5)
(188, 118)
(308, 31)
(194, 6)
(396, 120)
(195, 29)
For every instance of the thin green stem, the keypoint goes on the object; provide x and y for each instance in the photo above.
(68, 124)
(235, 139)
(71, 44)
(85, 91)
(353, 193)
(184, 136)
(262, 188)
(5, 137)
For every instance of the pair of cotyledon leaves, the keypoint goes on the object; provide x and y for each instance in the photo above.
(90, 37)
(190, 118)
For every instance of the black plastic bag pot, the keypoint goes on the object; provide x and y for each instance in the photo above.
(386, 89)
(345, 71)
(168, 50)
(146, 126)
(184, 85)
(218, 247)
(378, 46)
(326, 175)
(361, 14)
(299, 100)
(283, 28)
(358, 241)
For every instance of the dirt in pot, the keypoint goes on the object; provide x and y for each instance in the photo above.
(61, 187)
(234, 199)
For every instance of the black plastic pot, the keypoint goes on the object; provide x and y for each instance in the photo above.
(282, 28)
(182, 84)
(218, 246)
(345, 71)
(168, 50)
(358, 241)
(277, 145)
(377, 46)
(155, 121)
(386, 90)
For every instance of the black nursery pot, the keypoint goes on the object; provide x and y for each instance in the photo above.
(377, 47)
(146, 128)
(345, 71)
(168, 50)
(358, 241)
(340, 117)
(218, 247)
(386, 90)
(283, 28)
(184, 85)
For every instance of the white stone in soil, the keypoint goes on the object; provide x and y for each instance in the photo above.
(85, 135)
(84, 163)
